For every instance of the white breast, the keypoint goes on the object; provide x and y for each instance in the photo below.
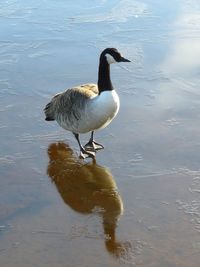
(100, 111)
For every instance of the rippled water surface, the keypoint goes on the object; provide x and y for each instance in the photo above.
(139, 204)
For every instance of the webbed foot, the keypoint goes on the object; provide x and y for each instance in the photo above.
(87, 154)
(93, 146)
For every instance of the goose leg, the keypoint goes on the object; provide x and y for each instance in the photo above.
(84, 154)
(92, 145)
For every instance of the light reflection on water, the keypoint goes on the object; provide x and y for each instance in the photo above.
(151, 148)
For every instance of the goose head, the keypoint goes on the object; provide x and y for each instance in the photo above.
(112, 55)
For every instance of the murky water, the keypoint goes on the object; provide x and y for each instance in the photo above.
(139, 204)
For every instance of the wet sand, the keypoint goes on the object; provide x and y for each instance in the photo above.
(139, 203)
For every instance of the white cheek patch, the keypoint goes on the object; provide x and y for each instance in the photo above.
(110, 59)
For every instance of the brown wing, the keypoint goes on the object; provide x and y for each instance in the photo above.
(90, 87)
(70, 102)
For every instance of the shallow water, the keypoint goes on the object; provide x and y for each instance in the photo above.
(139, 204)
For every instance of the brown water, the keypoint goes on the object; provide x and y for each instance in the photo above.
(139, 204)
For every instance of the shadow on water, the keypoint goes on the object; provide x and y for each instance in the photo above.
(88, 188)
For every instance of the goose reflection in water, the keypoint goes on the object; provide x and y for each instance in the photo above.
(85, 187)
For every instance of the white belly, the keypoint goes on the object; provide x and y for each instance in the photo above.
(99, 112)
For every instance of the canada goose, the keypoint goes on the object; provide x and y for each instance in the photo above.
(88, 107)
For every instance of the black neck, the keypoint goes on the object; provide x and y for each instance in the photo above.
(104, 82)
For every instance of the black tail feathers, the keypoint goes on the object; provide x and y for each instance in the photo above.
(49, 119)
(49, 112)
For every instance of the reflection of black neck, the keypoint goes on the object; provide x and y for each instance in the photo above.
(115, 248)
(110, 225)
(104, 82)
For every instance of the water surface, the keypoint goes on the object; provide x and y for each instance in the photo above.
(139, 204)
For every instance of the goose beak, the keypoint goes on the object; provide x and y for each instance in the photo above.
(124, 60)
